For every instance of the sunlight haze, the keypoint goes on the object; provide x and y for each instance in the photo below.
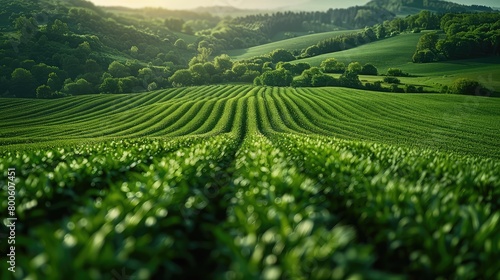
(256, 4)
(189, 4)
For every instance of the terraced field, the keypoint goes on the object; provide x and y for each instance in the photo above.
(241, 182)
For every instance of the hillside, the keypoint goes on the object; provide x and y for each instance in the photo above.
(291, 44)
(179, 112)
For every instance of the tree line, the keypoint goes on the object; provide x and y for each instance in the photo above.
(462, 36)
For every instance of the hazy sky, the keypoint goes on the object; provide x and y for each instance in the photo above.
(251, 4)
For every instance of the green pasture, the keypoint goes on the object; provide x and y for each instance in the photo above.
(297, 43)
(388, 53)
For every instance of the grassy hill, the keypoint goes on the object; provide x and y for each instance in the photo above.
(192, 182)
(392, 52)
(297, 43)
(397, 52)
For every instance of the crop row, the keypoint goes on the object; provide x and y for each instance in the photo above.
(425, 212)
(456, 123)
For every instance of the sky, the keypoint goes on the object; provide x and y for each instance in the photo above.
(252, 4)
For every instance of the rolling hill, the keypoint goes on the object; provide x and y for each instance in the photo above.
(297, 43)
(397, 52)
(191, 182)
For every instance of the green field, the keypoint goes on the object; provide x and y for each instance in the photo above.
(297, 43)
(388, 53)
(397, 52)
(241, 182)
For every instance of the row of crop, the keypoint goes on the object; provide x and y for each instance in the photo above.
(56, 181)
(85, 111)
(426, 213)
(279, 226)
(152, 219)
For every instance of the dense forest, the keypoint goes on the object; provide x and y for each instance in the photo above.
(465, 36)
(433, 5)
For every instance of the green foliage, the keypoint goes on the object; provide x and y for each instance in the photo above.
(281, 55)
(23, 84)
(396, 72)
(279, 78)
(369, 69)
(110, 85)
(181, 78)
(469, 87)
(223, 63)
(118, 70)
(350, 79)
(392, 80)
(331, 65)
(80, 86)
(355, 67)
(324, 81)
(44, 91)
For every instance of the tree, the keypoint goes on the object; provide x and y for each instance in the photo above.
(23, 84)
(424, 56)
(381, 32)
(199, 74)
(300, 67)
(310, 73)
(311, 51)
(396, 72)
(152, 86)
(44, 91)
(54, 82)
(351, 80)
(118, 70)
(369, 69)
(110, 85)
(239, 69)
(222, 63)
(181, 78)
(392, 80)
(324, 80)
(59, 27)
(469, 87)
(354, 67)
(129, 84)
(280, 78)
(81, 86)
(281, 55)
(181, 44)
(331, 65)
(428, 41)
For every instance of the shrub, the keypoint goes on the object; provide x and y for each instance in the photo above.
(397, 72)
(351, 80)
(323, 81)
(301, 82)
(396, 88)
(281, 55)
(377, 86)
(410, 89)
(392, 80)
(369, 69)
(331, 65)
(469, 87)
(280, 78)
